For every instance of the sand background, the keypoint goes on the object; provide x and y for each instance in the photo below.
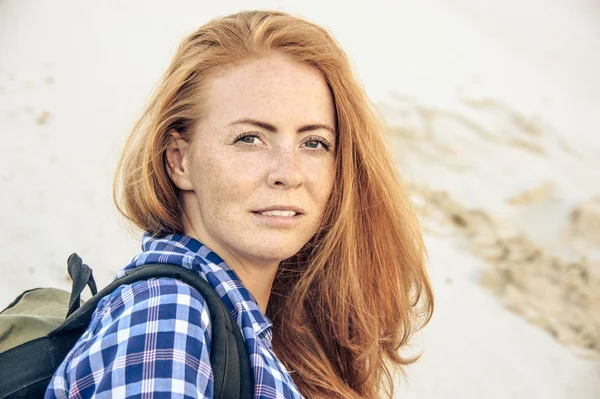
(492, 115)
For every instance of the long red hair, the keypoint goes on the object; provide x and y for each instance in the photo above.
(348, 302)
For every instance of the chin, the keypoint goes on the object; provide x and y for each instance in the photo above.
(276, 250)
(276, 254)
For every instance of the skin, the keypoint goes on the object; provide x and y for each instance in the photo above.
(289, 121)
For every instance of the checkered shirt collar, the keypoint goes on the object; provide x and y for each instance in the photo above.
(183, 250)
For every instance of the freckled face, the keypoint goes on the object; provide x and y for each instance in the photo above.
(264, 151)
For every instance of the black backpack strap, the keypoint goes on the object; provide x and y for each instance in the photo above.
(81, 274)
(229, 357)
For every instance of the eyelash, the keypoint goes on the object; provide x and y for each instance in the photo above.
(326, 144)
(244, 135)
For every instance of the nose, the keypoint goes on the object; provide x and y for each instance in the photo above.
(286, 169)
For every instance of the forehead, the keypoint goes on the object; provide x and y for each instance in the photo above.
(277, 88)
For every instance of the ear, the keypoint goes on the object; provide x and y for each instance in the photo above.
(177, 158)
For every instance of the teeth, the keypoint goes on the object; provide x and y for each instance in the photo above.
(279, 213)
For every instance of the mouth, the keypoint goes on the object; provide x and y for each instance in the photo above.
(280, 213)
(279, 216)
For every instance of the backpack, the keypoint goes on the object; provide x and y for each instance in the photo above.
(39, 328)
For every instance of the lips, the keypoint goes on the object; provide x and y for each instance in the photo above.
(279, 217)
(280, 211)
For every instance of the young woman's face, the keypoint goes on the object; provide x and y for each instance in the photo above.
(261, 165)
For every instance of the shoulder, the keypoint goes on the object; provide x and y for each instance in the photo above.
(155, 298)
(155, 306)
(160, 325)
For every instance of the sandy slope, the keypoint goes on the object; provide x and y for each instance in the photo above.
(492, 115)
(535, 249)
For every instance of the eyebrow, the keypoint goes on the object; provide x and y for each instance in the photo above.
(271, 128)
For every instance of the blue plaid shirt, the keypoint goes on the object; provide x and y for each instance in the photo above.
(151, 339)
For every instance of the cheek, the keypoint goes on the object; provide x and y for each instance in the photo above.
(223, 179)
(322, 179)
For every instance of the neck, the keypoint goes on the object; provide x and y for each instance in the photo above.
(258, 279)
(257, 276)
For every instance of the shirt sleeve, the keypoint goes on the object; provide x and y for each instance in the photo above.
(150, 339)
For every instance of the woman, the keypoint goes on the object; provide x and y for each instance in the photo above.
(259, 164)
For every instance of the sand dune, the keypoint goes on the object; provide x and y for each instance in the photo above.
(559, 294)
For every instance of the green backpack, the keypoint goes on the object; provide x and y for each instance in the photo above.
(39, 328)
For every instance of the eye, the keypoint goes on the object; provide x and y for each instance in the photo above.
(248, 138)
(315, 142)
